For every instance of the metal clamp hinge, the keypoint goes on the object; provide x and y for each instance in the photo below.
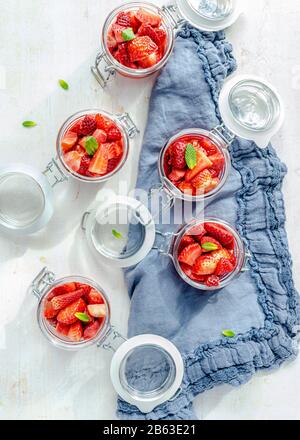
(109, 70)
(43, 279)
(128, 124)
(248, 256)
(224, 133)
(173, 14)
(163, 242)
(84, 220)
(54, 174)
(109, 341)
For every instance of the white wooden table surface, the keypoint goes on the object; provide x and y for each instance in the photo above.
(40, 42)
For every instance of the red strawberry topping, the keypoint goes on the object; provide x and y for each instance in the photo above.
(140, 48)
(190, 254)
(67, 315)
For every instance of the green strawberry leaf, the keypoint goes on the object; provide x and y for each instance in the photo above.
(91, 145)
(128, 34)
(190, 156)
(63, 84)
(228, 333)
(29, 124)
(82, 317)
(208, 246)
(117, 234)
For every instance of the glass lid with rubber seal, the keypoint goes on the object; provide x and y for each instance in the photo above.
(26, 199)
(146, 371)
(121, 231)
(251, 108)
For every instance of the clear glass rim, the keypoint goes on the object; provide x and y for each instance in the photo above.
(65, 127)
(240, 253)
(138, 73)
(62, 342)
(212, 19)
(220, 144)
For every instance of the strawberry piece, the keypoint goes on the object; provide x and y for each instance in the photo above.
(68, 141)
(189, 272)
(62, 329)
(94, 297)
(67, 315)
(97, 310)
(176, 175)
(103, 122)
(222, 253)
(87, 126)
(202, 162)
(114, 134)
(210, 242)
(141, 47)
(84, 164)
(99, 162)
(111, 41)
(202, 181)
(233, 260)
(114, 150)
(49, 311)
(177, 151)
(147, 17)
(150, 60)
(61, 301)
(100, 136)
(73, 160)
(212, 281)
(197, 232)
(118, 30)
(213, 184)
(209, 146)
(60, 290)
(190, 254)
(205, 265)
(123, 19)
(112, 164)
(224, 267)
(161, 38)
(219, 233)
(134, 22)
(186, 188)
(91, 330)
(155, 34)
(75, 332)
(218, 162)
(185, 241)
(122, 55)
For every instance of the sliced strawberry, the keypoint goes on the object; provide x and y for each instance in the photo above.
(112, 164)
(61, 301)
(113, 134)
(123, 19)
(91, 330)
(75, 332)
(134, 21)
(67, 315)
(156, 35)
(210, 244)
(140, 48)
(189, 272)
(186, 188)
(113, 150)
(202, 181)
(177, 151)
(161, 39)
(68, 141)
(150, 60)
(118, 30)
(219, 233)
(190, 254)
(97, 310)
(205, 265)
(218, 162)
(224, 267)
(176, 175)
(213, 184)
(212, 281)
(60, 290)
(99, 162)
(62, 329)
(202, 162)
(222, 253)
(100, 136)
(73, 160)
(209, 146)
(122, 55)
(147, 17)
(94, 297)
(49, 311)
(111, 41)
(185, 241)
(197, 232)
(84, 164)
(103, 122)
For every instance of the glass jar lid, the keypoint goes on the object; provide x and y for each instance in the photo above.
(121, 231)
(146, 371)
(251, 108)
(26, 199)
(210, 15)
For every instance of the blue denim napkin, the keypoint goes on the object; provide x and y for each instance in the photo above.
(262, 305)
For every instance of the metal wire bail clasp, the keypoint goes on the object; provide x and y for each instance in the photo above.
(224, 133)
(173, 15)
(112, 340)
(163, 243)
(102, 76)
(127, 122)
(44, 279)
(54, 174)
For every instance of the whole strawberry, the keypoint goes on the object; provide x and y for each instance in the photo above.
(178, 155)
(87, 126)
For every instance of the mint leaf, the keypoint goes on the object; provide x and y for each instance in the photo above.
(228, 333)
(63, 84)
(82, 317)
(117, 234)
(208, 246)
(29, 124)
(128, 34)
(190, 156)
(91, 145)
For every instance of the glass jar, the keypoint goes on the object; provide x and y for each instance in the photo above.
(206, 15)
(124, 214)
(26, 194)
(138, 353)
